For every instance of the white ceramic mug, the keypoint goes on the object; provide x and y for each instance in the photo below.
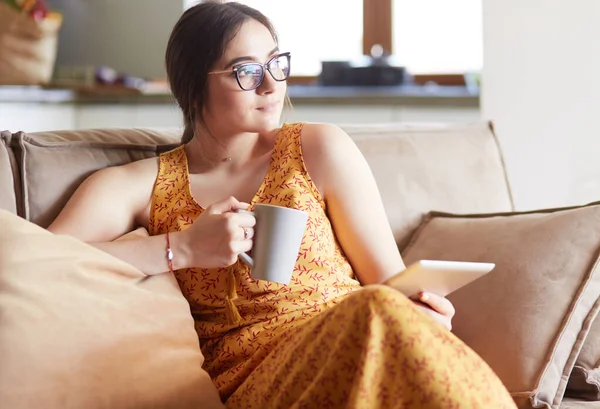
(278, 235)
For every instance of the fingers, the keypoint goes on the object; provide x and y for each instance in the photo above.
(241, 246)
(246, 233)
(227, 205)
(242, 219)
(239, 226)
(442, 320)
(437, 303)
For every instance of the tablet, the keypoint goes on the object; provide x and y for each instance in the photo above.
(437, 276)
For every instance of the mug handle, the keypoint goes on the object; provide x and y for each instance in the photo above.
(244, 256)
(246, 259)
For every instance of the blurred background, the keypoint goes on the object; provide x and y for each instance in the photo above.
(426, 36)
(530, 67)
(365, 60)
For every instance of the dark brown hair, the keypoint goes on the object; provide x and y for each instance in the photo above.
(198, 41)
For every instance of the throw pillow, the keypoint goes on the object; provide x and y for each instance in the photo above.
(584, 382)
(53, 164)
(8, 199)
(526, 318)
(81, 329)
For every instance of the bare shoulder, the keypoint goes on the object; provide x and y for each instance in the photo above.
(327, 149)
(318, 136)
(142, 168)
(132, 183)
(110, 202)
(128, 176)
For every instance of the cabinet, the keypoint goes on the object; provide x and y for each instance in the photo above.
(33, 117)
(345, 114)
(128, 115)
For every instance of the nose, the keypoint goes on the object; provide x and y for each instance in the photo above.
(268, 85)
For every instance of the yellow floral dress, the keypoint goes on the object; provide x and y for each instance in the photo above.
(323, 340)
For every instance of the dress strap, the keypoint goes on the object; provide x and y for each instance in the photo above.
(170, 167)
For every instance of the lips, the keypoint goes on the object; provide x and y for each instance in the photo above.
(269, 107)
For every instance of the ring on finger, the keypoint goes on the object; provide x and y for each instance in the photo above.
(245, 233)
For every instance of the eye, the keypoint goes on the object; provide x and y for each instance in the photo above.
(249, 70)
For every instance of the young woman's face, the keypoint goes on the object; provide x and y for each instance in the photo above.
(229, 108)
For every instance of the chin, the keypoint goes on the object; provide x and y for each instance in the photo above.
(266, 123)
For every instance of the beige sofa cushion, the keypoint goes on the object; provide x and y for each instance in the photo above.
(81, 329)
(530, 316)
(569, 403)
(585, 379)
(8, 199)
(452, 168)
(54, 164)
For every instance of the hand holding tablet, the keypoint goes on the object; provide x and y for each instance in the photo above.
(437, 276)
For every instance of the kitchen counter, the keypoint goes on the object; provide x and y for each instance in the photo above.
(409, 95)
(33, 109)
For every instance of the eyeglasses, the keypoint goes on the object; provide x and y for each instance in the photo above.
(250, 75)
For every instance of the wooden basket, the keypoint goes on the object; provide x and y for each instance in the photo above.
(27, 48)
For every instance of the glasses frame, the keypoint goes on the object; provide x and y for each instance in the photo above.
(264, 67)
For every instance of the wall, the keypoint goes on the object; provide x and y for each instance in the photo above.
(128, 35)
(541, 87)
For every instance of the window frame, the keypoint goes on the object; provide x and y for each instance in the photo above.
(378, 29)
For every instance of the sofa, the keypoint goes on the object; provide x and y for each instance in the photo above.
(74, 338)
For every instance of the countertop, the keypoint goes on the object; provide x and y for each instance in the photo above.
(412, 95)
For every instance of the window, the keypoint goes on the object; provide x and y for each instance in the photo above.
(314, 30)
(438, 36)
(426, 36)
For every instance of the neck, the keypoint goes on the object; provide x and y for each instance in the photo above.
(208, 150)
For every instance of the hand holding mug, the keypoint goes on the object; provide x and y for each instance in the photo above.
(217, 236)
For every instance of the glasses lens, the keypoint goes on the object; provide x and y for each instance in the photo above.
(249, 75)
(280, 67)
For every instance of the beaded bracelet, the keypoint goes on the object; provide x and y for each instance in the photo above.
(169, 254)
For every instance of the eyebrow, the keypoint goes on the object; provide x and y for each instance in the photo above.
(248, 58)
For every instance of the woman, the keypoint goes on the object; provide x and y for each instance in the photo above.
(332, 337)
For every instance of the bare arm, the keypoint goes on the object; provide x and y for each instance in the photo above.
(354, 204)
(110, 203)
(115, 201)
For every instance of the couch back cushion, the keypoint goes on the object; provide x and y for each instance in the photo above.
(7, 183)
(419, 168)
(54, 164)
